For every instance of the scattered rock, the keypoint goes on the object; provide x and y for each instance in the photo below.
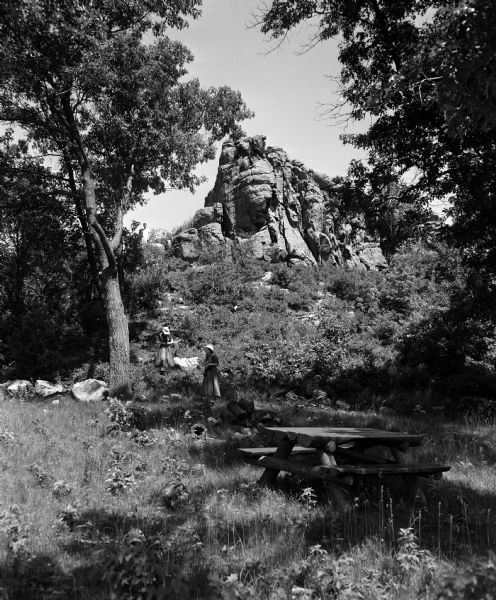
(90, 390)
(45, 388)
(319, 396)
(187, 364)
(292, 397)
(299, 593)
(55, 402)
(19, 389)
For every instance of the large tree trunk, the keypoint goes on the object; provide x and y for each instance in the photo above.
(118, 332)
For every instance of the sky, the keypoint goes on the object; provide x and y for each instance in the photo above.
(285, 87)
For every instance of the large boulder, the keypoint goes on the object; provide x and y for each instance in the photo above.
(207, 216)
(45, 388)
(211, 234)
(371, 256)
(90, 390)
(187, 244)
(204, 230)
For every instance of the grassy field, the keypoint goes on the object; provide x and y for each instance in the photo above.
(94, 508)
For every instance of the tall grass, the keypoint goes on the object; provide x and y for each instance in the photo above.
(218, 532)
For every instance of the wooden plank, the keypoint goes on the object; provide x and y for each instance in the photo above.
(362, 457)
(336, 471)
(318, 437)
(256, 452)
(392, 469)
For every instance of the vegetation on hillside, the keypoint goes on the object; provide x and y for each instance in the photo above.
(362, 336)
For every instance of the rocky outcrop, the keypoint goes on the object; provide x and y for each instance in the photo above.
(203, 230)
(280, 209)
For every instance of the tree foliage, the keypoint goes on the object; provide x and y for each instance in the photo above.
(424, 71)
(99, 88)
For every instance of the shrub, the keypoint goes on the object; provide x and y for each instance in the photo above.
(348, 285)
(35, 343)
(145, 288)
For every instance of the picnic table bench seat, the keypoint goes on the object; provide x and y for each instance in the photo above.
(342, 473)
(256, 453)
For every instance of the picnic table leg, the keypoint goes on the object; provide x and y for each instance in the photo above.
(334, 491)
(284, 449)
(412, 482)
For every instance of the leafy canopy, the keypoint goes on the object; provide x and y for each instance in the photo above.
(424, 71)
(99, 81)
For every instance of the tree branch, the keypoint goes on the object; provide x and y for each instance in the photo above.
(93, 221)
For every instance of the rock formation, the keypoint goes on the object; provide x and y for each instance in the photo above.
(280, 209)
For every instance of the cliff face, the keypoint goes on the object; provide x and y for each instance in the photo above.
(280, 209)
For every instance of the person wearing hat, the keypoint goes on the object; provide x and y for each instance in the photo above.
(211, 387)
(166, 353)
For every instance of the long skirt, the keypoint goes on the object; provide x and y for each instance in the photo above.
(165, 357)
(211, 387)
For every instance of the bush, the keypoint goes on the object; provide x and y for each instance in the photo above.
(349, 285)
(35, 343)
(145, 288)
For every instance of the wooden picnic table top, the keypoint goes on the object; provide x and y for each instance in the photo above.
(320, 436)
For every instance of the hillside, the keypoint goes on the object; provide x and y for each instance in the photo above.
(115, 498)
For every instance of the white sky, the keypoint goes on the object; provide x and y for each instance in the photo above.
(284, 88)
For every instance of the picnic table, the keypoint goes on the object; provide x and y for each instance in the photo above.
(340, 455)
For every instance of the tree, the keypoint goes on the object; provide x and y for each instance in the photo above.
(98, 87)
(39, 259)
(424, 71)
